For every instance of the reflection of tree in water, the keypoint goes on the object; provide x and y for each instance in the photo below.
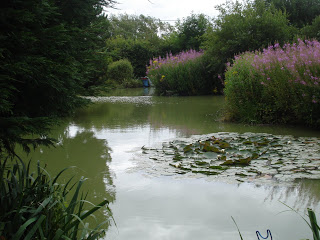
(112, 115)
(89, 155)
(305, 193)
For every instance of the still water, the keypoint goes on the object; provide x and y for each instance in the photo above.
(104, 140)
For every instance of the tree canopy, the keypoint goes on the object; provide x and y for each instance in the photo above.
(47, 52)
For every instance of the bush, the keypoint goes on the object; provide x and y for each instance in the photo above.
(241, 27)
(137, 51)
(132, 83)
(35, 206)
(182, 74)
(278, 85)
(120, 70)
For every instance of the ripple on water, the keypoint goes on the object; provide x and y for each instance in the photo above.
(132, 100)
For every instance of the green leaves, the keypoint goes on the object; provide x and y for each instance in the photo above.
(241, 157)
(33, 206)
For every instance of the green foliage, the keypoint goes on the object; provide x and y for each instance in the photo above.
(187, 78)
(190, 31)
(120, 70)
(36, 206)
(49, 52)
(136, 38)
(138, 52)
(131, 83)
(241, 27)
(312, 30)
(313, 224)
(279, 85)
(138, 27)
(300, 12)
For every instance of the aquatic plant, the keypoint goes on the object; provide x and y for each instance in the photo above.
(276, 85)
(182, 74)
(253, 157)
(36, 206)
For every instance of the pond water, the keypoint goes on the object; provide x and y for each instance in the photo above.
(104, 141)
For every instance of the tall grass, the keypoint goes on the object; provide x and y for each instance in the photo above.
(277, 85)
(36, 206)
(181, 74)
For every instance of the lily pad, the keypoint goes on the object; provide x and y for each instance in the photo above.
(258, 155)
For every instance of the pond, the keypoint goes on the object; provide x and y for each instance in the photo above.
(105, 143)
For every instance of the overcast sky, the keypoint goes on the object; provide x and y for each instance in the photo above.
(167, 9)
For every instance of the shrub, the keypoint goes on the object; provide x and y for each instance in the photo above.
(182, 74)
(240, 27)
(131, 83)
(35, 206)
(120, 70)
(278, 85)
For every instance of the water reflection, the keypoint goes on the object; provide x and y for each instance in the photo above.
(305, 194)
(185, 115)
(101, 140)
(77, 146)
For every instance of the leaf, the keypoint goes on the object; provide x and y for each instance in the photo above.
(224, 145)
(237, 227)
(218, 167)
(228, 162)
(187, 148)
(243, 161)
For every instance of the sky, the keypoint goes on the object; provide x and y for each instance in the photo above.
(166, 9)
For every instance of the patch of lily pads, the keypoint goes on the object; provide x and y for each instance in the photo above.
(242, 157)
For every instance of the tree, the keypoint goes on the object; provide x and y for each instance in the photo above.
(300, 12)
(43, 62)
(312, 30)
(191, 30)
(244, 27)
(136, 38)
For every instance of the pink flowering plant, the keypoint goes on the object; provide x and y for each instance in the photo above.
(181, 74)
(277, 85)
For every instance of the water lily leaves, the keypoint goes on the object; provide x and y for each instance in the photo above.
(224, 145)
(205, 172)
(228, 163)
(177, 157)
(258, 155)
(201, 163)
(239, 162)
(243, 161)
(218, 168)
(208, 148)
(255, 155)
(187, 148)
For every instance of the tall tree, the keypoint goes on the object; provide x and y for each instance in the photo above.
(300, 12)
(42, 64)
(190, 31)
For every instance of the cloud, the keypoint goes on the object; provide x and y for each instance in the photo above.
(167, 9)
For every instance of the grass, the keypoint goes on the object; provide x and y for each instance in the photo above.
(36, 206)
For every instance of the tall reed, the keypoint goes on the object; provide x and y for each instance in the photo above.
(36, 206)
